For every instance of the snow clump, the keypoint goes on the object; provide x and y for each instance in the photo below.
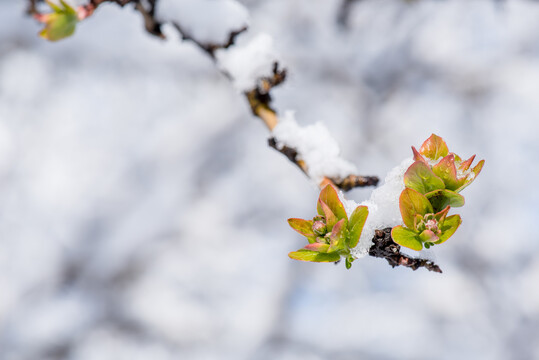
(248, 63)
(315, 146)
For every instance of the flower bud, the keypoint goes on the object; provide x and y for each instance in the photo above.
(320, 228)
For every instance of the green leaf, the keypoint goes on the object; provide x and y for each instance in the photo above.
(330, 197)
(314, 256)
(319, 247)
(447, 171)
(434, 147)
(449, 227)
(406, 237)
(411, 203)
(355, 225)
(59, 24)
(304, 227)
(442, 198)
(338, 236)
(420, 177)
(331, 219)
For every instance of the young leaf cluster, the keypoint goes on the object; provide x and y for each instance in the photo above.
(432, 186)
(331, 234)
(60, 23)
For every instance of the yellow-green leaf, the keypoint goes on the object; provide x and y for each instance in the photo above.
(314, 256)
(304, 227)
(355, 225)
(406, 237)
(449, 227)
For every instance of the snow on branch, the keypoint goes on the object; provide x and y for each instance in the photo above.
(250, 64)
(316, 150)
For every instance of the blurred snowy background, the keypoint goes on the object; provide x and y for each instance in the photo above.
(143, 216)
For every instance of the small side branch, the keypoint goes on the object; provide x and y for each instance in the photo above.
(290, 153)
(384, 247)
(260, 99)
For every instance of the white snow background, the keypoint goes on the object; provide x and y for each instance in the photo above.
(143, 216)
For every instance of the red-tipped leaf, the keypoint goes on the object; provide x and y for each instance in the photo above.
(440, 216)
(418, 156)
(330, 197)
(465, 165)
(434, 148)
(304, 227)
(447, 171)
(331, 219)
